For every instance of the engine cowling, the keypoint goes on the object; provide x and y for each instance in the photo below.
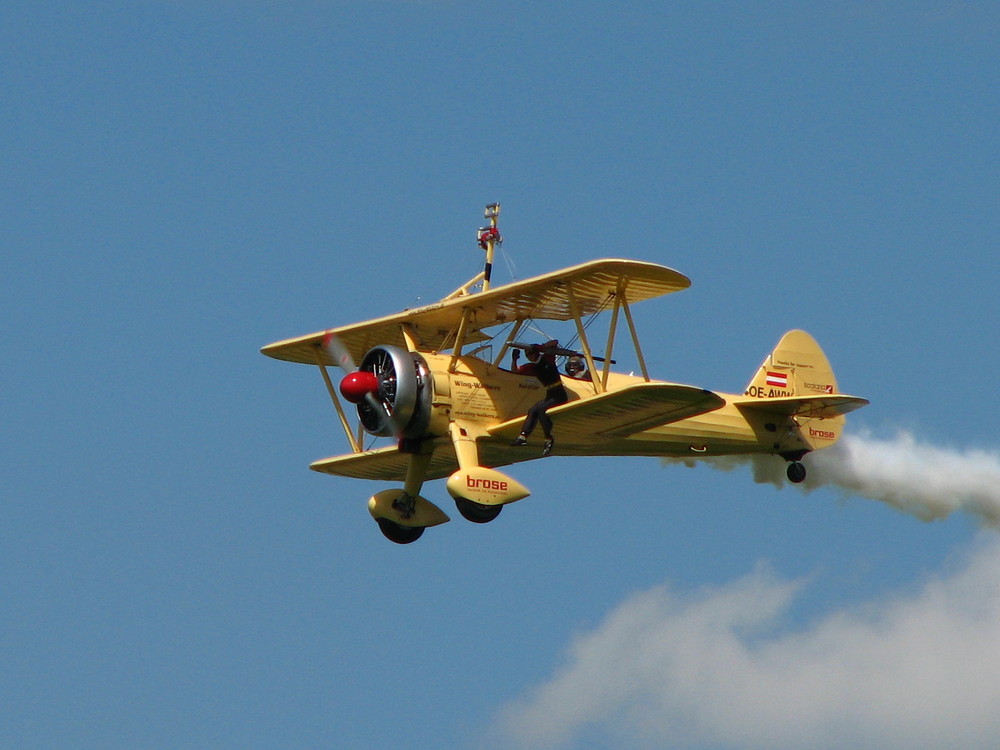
(402, 401)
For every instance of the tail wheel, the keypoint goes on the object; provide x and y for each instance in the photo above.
(796, 472)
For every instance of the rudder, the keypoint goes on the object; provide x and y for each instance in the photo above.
(798, 369)
(797, 366)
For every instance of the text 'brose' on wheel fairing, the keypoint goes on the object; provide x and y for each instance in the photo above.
(443, 386)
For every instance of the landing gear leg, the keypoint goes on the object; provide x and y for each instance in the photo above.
(479, 492)
(401, 514)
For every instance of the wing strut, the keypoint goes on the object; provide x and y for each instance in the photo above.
(612, 331)
(635, 339)
(514, 331)
(355, 446)
(584, 343)
(456, 350)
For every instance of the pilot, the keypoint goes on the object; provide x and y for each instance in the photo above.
(576, 367)
(541, 364)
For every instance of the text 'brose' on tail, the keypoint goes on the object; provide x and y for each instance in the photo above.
(796, 385)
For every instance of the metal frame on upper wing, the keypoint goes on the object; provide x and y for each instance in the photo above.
(456, 322)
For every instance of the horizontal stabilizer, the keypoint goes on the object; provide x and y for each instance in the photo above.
(812, 407)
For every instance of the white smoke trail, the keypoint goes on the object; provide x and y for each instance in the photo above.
(916, 478)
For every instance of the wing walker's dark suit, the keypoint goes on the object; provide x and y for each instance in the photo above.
(545, 370)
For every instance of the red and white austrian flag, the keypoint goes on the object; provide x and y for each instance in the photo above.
(777, 379)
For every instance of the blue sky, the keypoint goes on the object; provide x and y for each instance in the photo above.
(187, 181)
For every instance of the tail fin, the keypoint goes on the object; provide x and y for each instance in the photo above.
(795, 399)
(796, 367)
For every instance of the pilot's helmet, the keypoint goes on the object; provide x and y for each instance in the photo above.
(575, 366)
(533, 351)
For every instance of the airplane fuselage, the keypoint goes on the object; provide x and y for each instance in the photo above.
(473, 390)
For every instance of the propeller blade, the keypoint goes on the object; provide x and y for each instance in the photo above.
(386, 415)
(339, 352)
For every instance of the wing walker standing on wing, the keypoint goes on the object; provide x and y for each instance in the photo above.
(431, 381)
(541, 364)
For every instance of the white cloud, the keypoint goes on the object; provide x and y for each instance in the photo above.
(721, 669)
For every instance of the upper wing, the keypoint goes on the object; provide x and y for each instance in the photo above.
(590, 286)
(816, 407)
(623, 412)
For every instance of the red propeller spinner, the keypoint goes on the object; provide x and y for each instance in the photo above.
(356, 386)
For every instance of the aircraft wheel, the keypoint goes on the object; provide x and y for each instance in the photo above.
(397, 533)
(796, 472)
(477, 512)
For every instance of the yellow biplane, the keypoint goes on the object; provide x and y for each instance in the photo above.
(434, 382)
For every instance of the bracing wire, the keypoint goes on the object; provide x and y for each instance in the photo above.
(587, 323)
(509, 262)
